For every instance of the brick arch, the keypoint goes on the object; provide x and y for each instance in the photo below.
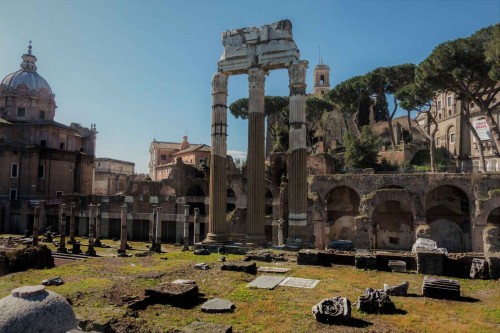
(324, 194)
(461, 184)
(370, 202)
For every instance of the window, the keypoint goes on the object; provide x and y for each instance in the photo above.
(322, 79)
(43, 143)
(449, 101)
(41, 171)
(61, 145)
(439, 105)
(163, 157)
(13, 194)
(21, 112)
(14, 172)
(452, 137)
(449, 112)
(42, 115)
(59, 194)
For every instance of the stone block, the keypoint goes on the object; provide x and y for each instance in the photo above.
(365, 261)
(217, 305)
(429, 263)
(266, 282)
(204, 327)
(299, 283)
(308, 257)
(240, 266)
(375, 301)
(398, 290)
(173, 293)
(336, 310)
(397, 265)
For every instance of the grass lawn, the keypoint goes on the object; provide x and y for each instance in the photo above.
(95, 287)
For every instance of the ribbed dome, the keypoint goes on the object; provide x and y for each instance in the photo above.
(27, 75)
(32, 80)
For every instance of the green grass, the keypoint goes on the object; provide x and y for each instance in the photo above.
(91, 284)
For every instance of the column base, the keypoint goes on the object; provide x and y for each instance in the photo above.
(91, 252)
(297, 244)
(213, 239)
(98, 243)
(157, 247)
(62, 250)
(255, 241)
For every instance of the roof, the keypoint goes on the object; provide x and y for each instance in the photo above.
(102, 159)
(42, 123)
(165, 145)
(192, 148)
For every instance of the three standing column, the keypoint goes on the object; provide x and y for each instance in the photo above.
(255, 165)
(297, 177)
(217, 227)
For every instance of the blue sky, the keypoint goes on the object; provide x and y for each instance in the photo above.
(143, 69)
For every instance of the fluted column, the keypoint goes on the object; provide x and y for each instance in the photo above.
(36, 225)
(62, 230)
(255, 163)
(217, 227)
(158, 230)
(123, 231)
(297, 177)
(97, 226)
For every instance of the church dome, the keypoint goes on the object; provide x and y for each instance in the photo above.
(27, 76)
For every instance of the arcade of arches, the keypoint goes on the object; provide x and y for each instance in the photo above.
(384, 211)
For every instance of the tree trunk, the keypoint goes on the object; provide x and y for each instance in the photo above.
(391, 132)
(409, 126)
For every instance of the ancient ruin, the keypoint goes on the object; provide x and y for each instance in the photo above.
(256, 51)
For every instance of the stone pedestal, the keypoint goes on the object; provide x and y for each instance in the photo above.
(123, 231)
(297, 177)
(62, 230)
(217, 227)
(255, 164)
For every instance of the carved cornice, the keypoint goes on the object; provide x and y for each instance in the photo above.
(256, 78)
(219, 83)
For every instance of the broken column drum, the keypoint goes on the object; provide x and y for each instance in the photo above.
(256, 51)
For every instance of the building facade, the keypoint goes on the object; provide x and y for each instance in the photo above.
(40, 158)
(164, 155)
(112, 176)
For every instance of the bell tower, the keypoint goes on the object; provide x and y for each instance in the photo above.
(321, 79)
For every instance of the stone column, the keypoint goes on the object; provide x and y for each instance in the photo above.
(97, 226)
(255, 164)
(217, 227)
(186, 228)
(152, 229)
(72, 224)
(62, 230)
(158, 230)
(196, 225)
(297, 177)
(122, 252)
(90, 250)
(36, 225)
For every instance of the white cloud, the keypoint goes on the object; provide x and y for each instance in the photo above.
(242, 155)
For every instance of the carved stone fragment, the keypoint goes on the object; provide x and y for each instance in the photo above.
(479, 269)
(332, 310)
(375, 301)
(398, 290)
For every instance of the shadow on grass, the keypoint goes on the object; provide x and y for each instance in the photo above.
(353, 322)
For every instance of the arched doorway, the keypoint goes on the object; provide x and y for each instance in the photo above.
(341, 211)
(494, 217)
(448, 215)
(392, 226)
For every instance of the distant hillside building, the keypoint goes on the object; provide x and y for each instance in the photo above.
(112, 176)
(163, 156)
(40, 159)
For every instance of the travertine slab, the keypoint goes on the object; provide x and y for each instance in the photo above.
(273, 269)
(266, 282)
(299, 283)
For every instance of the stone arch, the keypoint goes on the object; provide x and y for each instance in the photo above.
(342, 207)
(494, 217)
(448, 213)
(393, 213)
